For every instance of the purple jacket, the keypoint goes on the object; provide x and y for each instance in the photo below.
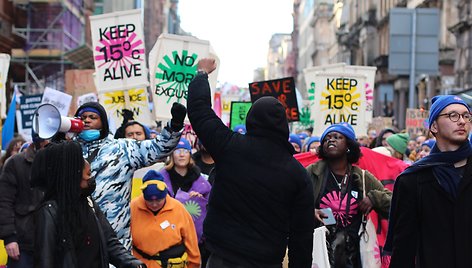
(196, 206)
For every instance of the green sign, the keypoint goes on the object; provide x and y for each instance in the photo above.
(238, 113)
(175, 75)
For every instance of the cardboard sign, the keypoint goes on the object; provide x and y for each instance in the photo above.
(282, 89)
(135, 100)
(4, 66)
(417, 122)
(239, 111)
(118, 50)
(380, 123)
(172, 65)
(79, 83)
(369, 84)
(338, 97)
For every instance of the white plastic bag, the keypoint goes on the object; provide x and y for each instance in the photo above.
(320, 251)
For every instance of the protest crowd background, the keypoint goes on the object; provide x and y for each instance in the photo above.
(143, 158)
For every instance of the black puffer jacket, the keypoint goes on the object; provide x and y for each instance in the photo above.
(18, 201)
(45, 256)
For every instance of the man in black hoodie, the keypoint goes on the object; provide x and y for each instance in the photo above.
(262, 198)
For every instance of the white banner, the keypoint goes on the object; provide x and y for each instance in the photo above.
(4, 66)
(118, 50)
(172, 65)
(59, 99)
(369, 84)
(135, 100)
(338, 97)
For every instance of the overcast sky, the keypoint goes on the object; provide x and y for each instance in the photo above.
(239, 31)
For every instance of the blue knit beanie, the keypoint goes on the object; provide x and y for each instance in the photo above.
(440, 102)
(184, 144)
(302, 136)
(343, 128)
(430, 143)
(293, 138)
(310, 141)
(240, 129)
(154, 187)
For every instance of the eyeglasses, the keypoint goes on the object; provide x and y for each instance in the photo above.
(455, 116)
(181, 151)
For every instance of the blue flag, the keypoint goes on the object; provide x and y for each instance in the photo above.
(9, 126)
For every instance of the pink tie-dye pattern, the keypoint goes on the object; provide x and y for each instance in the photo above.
(333, 200)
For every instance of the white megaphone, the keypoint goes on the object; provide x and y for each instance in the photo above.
(47, 121)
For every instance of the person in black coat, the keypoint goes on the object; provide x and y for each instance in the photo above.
(431, 212)
(262, 197)
(18, 201)
(71, 231)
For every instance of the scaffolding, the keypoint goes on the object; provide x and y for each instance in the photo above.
(53, 29)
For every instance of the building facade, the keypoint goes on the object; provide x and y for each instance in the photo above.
(356, 32)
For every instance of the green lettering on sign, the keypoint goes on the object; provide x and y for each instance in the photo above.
(176, 74)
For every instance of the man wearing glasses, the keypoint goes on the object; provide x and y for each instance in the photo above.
(431, 213)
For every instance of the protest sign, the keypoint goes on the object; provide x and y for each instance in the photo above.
(338, 97)
(172, 65)
(79, 83)
(380, 123)
(118, 50)
(417, 122)
(135, 100)
(368, 71)
(89, 97)
(24, 115)
(282, 89)
(4, 66)
(239, 111)
(59, 99)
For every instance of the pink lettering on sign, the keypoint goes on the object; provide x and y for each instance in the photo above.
(121, 54)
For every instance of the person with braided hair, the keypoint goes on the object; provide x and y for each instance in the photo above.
(71, 231)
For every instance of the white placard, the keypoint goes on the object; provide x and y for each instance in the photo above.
(368, 71)
(118, 50)
(338, 97)
(59, 99)
(4, 66)
(172, 65)
(89, 97)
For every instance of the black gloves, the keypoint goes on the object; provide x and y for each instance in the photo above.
(178, 112)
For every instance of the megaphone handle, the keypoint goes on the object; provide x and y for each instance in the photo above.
(36, 123)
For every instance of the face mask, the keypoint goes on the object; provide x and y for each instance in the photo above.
(91, 187)
(90, 134)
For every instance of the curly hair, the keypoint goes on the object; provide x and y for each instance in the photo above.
(352, 155)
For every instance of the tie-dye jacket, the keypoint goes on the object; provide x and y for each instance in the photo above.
(113, 166)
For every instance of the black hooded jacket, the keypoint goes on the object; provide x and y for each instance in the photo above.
(262, 197)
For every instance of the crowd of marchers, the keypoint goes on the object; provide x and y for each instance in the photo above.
(251, 196)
